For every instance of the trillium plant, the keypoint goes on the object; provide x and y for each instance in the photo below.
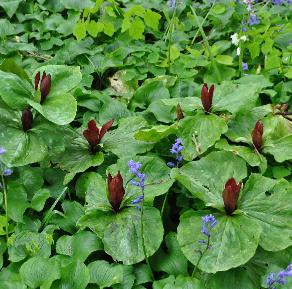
(145, 144)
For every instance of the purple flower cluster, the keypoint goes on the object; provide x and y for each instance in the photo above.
(171, 3)
(209, 222)
(139, 182)
(273, 280)
(176, 149)
(252, 18)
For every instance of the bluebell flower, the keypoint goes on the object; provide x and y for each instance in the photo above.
(244, 66)
(171, 3)
(253, 20)
(135, 169)
(272, 280)
(176, 149)
(277, 2)
(138, 200)
(2, 151)
(209, 222)
(7, 172)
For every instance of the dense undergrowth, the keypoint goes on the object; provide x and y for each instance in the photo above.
(145, 144)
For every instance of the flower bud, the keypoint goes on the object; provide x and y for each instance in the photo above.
(230, 195)
(37, 80)
(116, 190)
(257, 135)
(27, 119)
(93, 135)
(207, 97)
(45, 86)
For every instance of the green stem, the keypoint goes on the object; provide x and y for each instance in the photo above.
(142, 236)
(240, 60)
(6, 208)
(199, 260)
(170, 31)
(207, 15)
(163, 205)
(207, 45)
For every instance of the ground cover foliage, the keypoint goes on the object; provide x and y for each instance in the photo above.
(145, 144)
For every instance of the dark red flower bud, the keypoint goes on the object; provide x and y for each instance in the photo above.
(230, 195)
(93, 135)
(257, 135)
(116, 190)
(45, 86)
(179, 112)
(27, 119)
(37, 80)
(207, 97)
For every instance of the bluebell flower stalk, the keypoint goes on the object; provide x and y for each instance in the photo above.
(134, 168)
(208, 223)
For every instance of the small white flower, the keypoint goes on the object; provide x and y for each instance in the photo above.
(243, 38)
(238, 51)
(234, 39)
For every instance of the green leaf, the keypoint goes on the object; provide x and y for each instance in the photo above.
(78, 158)
(155, 133)
(39, 272)
(39, 199)
(77, 5)
(224, 59)
(93, 28)
(27, 243)
(206, 181)
(80, 30)
(248, 154)
(104, 274)
(74, 276)
(14, 91)
(17, 201)
(200, 132)
(109, 28)
(10, 6)
(236, 278)
(122, 141)
(59, 108)
(79, 246)
(182, 282)
(233, 240)
(269, 202)
(152, 19)
(126, 227)
(278, 138)
(136, 29)
(22, 147)
(172, 261)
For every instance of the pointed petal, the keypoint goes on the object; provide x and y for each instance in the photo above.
(37, 80)
(105, 128)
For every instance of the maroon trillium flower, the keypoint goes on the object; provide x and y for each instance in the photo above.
(230, 195)
(116, 190)
(27, 119)
(93, 135)
(257, 135)
(207, 97)
(45, 86)
(179, 112)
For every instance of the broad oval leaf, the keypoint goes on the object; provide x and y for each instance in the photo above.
(233, 240)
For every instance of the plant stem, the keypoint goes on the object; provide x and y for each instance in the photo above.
(199, 260)
(207, 45)
(203, 22)
(6, 208)
(142, 236)
(171, 26)
(163, 205)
